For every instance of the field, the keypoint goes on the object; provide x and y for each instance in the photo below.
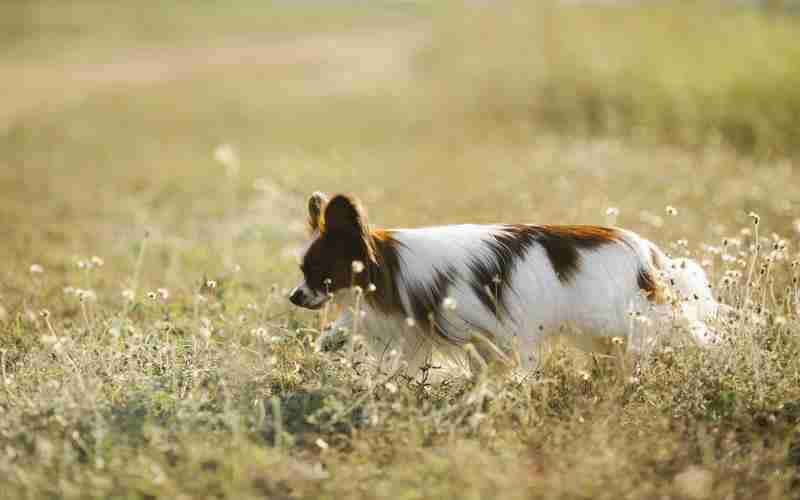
(155, 160)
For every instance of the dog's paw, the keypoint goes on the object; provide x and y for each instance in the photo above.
(333, 339)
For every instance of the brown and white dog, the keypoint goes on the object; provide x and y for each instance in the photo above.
(509, 285)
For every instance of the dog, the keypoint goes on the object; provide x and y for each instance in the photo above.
(501, 288)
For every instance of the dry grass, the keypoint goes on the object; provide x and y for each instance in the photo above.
(214, 389)
(687, 74)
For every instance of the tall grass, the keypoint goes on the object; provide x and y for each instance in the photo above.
(195, 395)
(682, 73)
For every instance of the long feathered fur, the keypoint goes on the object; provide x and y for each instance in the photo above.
(502, 288)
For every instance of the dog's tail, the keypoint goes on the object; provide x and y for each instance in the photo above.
(690, 293)
(679, 290)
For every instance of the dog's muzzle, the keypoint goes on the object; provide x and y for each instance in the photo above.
(303, 296)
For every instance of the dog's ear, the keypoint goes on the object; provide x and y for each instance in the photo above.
(344, 214)
(316, 203)
(345, 218)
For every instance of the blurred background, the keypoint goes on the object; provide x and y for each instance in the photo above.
(206, 124)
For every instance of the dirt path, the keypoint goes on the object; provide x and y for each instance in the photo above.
(346, 60)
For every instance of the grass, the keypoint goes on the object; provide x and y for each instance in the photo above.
(215, 390)
(686, 74)
(53, 30)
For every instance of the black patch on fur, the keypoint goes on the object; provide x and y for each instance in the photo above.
(647, 283)
(383, 273)
(426, 301)
(488, 279)
(509, 245)
(562, 244)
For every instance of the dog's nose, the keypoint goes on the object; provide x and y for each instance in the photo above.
(297, 297)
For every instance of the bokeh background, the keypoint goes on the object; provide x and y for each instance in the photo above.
(430, 112)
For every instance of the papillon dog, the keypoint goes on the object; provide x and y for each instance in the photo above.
(501, 288)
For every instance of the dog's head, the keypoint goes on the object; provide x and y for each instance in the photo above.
(339, 250)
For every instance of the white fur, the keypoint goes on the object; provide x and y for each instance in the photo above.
(602, 299)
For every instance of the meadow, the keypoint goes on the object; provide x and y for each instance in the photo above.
(155, 159)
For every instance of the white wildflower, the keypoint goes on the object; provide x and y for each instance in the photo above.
(48, 339)
(450, 303)
(226, 155)
(260, 333)
(86, 295)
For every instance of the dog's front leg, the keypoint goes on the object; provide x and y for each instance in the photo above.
(335, 335)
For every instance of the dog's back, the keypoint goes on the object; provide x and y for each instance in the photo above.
(506, 288)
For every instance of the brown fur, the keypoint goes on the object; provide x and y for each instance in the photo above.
(561, 243)
(648, 281)
(316, 204)
(383, 272)
(344, 238)
(648, 284)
